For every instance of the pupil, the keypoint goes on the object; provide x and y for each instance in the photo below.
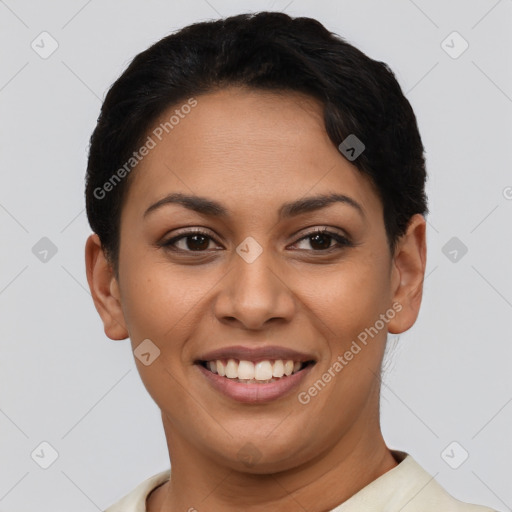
(321, 236)
(192, 245)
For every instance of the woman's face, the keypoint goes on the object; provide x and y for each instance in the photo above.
(254, 279)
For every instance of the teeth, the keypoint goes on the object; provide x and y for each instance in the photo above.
(232, 369)
(278, 368)
(246, 370)
(263, 371)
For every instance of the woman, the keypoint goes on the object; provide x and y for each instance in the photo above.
(256, 190)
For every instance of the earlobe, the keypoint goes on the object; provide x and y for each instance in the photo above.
(408, 271)
(104, 289)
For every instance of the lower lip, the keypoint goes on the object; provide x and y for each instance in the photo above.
(255, 393)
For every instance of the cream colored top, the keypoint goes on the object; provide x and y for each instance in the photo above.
(406, 488)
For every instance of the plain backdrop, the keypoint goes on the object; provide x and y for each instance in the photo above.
(447, 391)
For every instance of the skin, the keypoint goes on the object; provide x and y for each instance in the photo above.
(270, 148)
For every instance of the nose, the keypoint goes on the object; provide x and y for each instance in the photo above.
(253, 293)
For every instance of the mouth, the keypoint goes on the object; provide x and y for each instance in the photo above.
(254, 381)
(255, 374)
(264, 371)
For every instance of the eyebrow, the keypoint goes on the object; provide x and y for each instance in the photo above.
(209, 207)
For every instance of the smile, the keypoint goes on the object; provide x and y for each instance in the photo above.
(250, 372)
(254, 382)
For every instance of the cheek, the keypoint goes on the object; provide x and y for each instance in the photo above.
(351, 297)
(159, 298)
(362, 297)
(158, 303)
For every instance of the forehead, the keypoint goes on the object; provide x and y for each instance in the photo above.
(247, 147)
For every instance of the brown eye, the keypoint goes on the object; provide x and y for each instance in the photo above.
(194, 241)
(321, 239)
(197, 242)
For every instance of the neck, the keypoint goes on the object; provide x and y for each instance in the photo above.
(199, 482)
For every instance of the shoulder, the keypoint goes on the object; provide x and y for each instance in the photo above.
(430, 495)
(406, 488)
(135, 501)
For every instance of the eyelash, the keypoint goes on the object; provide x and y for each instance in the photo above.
(342, 241)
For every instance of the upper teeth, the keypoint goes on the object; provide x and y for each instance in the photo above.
(247, 370)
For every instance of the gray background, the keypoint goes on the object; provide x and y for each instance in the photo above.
(64, 382)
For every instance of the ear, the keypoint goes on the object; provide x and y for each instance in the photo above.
(104, 289)
(407, 274)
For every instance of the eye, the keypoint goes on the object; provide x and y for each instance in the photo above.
(194, 241)
(199, 241)
(322, 238)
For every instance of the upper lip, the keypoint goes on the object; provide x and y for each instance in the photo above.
(271, 352)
